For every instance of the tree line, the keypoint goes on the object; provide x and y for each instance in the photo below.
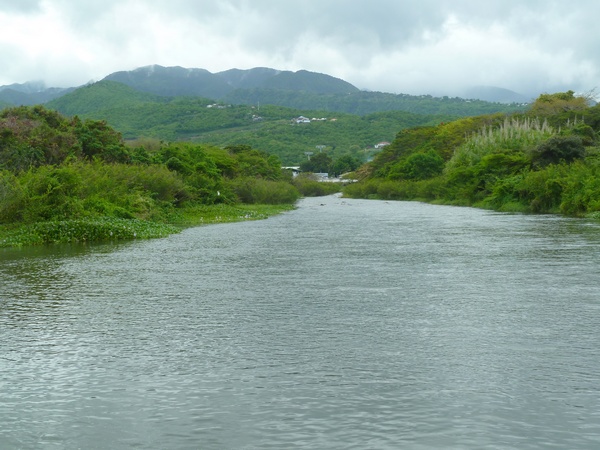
(545, 160)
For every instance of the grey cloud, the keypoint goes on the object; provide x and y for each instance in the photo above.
(377, 44)
(19, 6)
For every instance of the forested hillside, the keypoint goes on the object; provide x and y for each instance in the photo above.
(64, 179)
(269, 128)
(362, 102)
(546, 160)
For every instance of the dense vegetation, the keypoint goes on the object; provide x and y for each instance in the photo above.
(74, 178)
(546, 160)
(269, 128)
(364, 102)
(64, 179)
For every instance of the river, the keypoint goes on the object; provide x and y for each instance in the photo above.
(347, 324)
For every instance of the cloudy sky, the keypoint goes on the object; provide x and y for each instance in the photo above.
(403, 46)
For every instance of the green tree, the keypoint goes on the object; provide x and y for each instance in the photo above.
(547, 104)
(558, 149)
(418, 166)
(318, 163)
(343, 165)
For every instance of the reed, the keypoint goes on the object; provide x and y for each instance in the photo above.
(513, 135)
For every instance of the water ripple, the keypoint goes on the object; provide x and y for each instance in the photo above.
(357, 324)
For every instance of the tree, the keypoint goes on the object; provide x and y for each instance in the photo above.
(343, 165)
(547, 104)
(558, 149)
(418, 166)
(318, 163)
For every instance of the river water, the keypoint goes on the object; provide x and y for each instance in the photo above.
(343, 324)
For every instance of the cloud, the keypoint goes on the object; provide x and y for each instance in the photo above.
(20, 6)
(431, 46)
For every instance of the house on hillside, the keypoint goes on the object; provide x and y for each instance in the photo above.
(294, 169)
(380, 145)
(301, 119)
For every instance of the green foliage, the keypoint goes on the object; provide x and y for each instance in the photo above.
(364, 103)
(260, 191)
(33, 136)
(36, 136)
(12, 197)
(308, 186)
(95, 181)
(85, 230)
(97, 139)
(519, 164)
(443, 139)
(512, 136)
(140, 116)
(343, 165)
(549, 104)
(418, 166)
(558, 149)
(318, 163)
(102, 95)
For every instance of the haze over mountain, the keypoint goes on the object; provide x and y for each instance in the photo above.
(30, 93)
(434, 47)
(179, 81)
(494, 94)
(260, 84)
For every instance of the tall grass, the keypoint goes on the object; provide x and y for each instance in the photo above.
(514, 135)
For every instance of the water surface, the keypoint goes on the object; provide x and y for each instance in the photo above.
(342, 324)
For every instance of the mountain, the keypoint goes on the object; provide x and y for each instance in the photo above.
(494, 94)
(173, 81)
(363, 102)
(101, 96)
(30, 93)
(259, 86)
(178, 81)
(305, 81)
(141, 115)
(248, 79)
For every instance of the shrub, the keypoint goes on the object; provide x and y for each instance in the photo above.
(310, 187)
(11, 198)
(558, 149)
(259, 191)
(418, 166)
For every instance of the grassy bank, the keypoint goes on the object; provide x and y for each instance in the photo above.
(529, 164)
(106, 229)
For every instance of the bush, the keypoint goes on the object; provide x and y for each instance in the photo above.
(309, 187)
(558, 149)
(259, 191)
(11, 198)
(418, 166)
(52, 193)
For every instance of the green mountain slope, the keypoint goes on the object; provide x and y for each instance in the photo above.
(260, 86)
(101, 96)
(337, 135)
(361, 102)
(268, 128)
(31, 93)
(173, 81)
(179, 81)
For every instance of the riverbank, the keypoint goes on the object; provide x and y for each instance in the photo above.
(99, 229)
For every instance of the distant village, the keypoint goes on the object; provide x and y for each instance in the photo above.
(302, 119)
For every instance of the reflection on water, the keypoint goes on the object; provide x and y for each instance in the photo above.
(343, 324)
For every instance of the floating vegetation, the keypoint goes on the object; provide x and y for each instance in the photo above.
(84, 230)
(222, 213)
(112, 229)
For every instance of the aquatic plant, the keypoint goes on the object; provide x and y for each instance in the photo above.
(85, 230)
